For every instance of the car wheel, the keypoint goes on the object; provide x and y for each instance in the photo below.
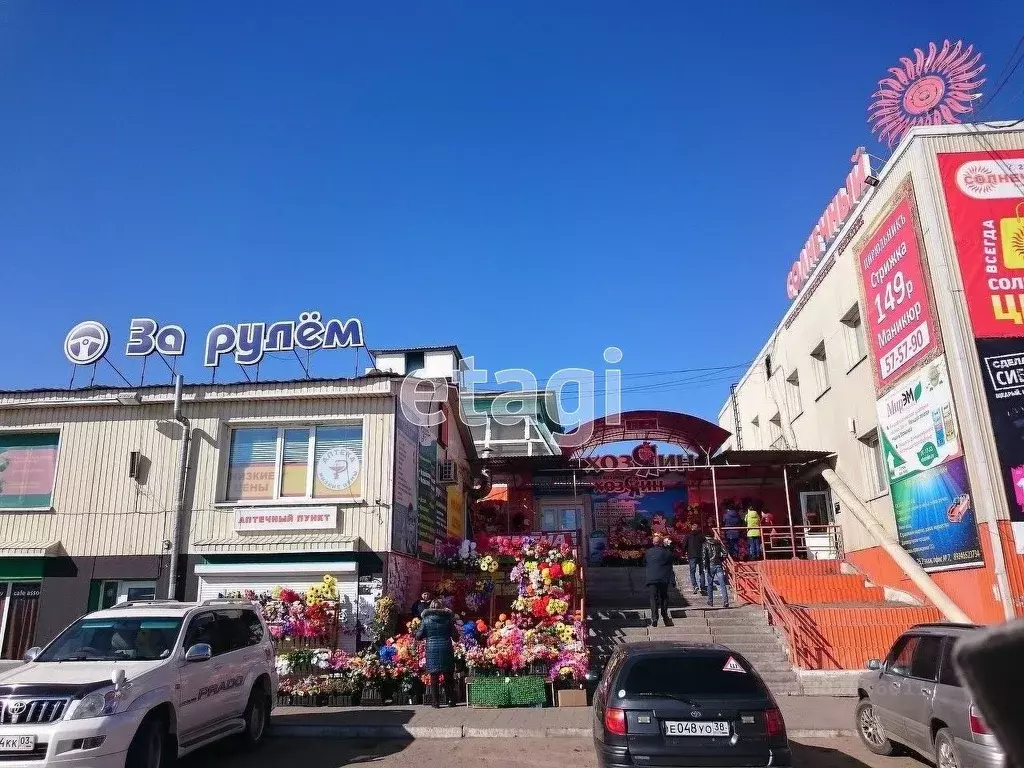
(871, 732)
(257, 717)
(945, 750)
(149, 748)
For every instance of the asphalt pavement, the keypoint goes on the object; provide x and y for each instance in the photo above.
(843, 752)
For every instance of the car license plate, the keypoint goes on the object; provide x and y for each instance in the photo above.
(696, 728)
(17, 743)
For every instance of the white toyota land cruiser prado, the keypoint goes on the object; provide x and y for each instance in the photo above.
(138, 685)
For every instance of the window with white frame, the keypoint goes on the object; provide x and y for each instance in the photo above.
(793, 401)
(323, 461)
(853, 331)
(819, 364)
(876, 476)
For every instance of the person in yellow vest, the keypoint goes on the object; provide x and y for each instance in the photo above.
(753, 534)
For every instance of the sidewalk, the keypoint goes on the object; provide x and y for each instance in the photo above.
(806, 717)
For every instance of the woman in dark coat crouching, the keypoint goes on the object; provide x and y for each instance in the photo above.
(438, 629)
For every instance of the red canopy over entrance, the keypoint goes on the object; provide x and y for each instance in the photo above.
(689, 432)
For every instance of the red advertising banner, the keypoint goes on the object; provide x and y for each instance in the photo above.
(899, 318)
(985, 198)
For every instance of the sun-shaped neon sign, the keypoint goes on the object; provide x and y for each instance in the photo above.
(932, 89)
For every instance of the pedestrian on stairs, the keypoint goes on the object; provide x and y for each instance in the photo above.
(754, 533)
(658, 562)
(695, 556)
(714, 561)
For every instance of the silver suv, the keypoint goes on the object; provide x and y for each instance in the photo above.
(913, 698)
(139, 685)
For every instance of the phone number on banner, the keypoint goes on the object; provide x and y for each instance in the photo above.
(906, 350)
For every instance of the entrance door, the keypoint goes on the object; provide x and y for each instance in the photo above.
(558, 518)
(816, 510)
(20, 610)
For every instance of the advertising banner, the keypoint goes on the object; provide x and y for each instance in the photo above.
(917, 422)
(405, 509)
(660, 506)
(1002, 362)
(899, 319)
(426, 492)
(985, 198)
(935, 517)
(456, 512)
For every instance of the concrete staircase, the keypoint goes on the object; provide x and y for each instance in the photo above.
(617, 613)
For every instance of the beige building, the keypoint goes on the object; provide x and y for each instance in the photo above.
(285, 481)
(820, 380)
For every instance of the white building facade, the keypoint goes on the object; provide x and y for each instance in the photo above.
(884, 360)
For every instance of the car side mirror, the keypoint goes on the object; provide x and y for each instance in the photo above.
(31, 653)
(199, 652)
(874, 664)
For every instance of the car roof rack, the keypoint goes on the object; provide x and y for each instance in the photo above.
(227, 601)
(142, 603)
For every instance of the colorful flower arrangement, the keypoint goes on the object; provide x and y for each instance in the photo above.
(291, 615)
(457, 554)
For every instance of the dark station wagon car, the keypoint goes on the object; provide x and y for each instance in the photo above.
(686, 704)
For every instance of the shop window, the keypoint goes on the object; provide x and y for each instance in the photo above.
(874, 464)
(19, 610)
(793, 401)
(853, 330)
(560, 518)
(28, 466)
(819, 363)
(105, 593)
(284, 463)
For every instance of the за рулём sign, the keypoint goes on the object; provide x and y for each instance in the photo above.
(247, 343)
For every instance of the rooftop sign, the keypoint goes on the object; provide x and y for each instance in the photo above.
(245, 343)
(830, 223)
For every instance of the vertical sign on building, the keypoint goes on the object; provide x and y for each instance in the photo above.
(426, 491)
(918, 431)
(985, 199)
(405, 509)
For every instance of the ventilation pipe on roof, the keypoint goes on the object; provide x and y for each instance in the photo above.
(885, 540)
(179, 491)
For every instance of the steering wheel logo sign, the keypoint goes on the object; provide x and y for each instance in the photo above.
(86, 343)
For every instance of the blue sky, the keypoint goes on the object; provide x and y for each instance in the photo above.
(533, 181)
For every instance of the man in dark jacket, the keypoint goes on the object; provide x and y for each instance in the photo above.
(438, 629)
(715, 555)
(695, 557)
(421, 605)
(658, 561)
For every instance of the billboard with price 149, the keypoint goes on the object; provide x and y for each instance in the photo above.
(899, 320)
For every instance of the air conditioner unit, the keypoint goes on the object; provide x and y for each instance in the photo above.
(447, 472)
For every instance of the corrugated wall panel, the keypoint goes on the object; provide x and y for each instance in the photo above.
(99, 510)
